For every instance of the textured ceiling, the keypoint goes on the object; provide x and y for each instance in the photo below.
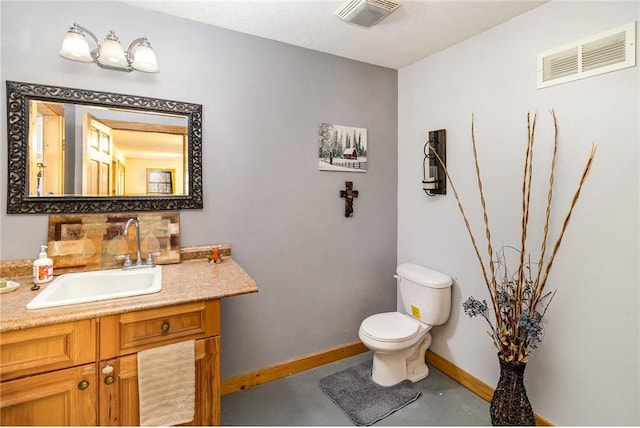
(415, 30)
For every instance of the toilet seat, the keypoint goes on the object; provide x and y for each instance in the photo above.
(390, 327)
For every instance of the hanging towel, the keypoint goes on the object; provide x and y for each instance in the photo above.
(167, 384)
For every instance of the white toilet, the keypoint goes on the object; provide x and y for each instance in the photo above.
(399, 341)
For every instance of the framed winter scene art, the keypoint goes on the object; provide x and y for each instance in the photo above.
(342, 148)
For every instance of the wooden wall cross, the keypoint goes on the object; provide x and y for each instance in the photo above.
(348, 194)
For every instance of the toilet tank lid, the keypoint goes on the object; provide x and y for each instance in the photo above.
(424, 276)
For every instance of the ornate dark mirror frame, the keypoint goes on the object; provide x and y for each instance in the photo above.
(18, 201)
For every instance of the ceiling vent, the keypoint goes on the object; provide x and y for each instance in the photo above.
(366, 13)
(609, 51)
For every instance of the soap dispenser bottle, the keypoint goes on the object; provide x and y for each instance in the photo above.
(42, 267)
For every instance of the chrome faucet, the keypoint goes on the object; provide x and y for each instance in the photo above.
(126, 233)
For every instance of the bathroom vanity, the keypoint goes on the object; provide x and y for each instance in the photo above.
(77, 364)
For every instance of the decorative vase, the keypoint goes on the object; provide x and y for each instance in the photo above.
(510, 404)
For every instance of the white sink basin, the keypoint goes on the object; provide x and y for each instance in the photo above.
(81, 287)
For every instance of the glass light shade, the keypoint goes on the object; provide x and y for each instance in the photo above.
(144, 59)
(112, 54)
(75, 47)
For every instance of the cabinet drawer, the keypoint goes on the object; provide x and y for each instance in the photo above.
(42, 349)
(134, 331)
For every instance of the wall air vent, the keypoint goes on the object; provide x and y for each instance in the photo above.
(609, 51)
(366, 13)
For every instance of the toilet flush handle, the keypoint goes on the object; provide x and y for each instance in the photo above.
(396, 276)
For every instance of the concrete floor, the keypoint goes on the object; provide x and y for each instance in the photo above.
(298, 400)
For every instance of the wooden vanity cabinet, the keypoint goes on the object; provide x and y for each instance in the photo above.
(85, 372)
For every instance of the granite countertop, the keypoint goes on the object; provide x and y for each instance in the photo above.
(189, 281)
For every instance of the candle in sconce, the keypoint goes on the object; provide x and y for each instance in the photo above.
(430, 183)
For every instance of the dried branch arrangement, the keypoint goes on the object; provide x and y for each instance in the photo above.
(518, 300)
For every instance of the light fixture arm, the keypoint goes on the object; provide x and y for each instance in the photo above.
(77, 28)
(140, 41)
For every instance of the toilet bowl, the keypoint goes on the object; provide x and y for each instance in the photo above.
(399, 343)
(399, 340)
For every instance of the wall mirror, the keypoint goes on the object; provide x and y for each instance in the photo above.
(76, 151)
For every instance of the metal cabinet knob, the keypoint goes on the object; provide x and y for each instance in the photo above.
(83, 385)
(109, 380)
(165, 327)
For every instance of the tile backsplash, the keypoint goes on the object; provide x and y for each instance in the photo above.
(92, 241)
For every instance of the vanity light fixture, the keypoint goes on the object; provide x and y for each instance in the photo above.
(434, 180)
(109, 54)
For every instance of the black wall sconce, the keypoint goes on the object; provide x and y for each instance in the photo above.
(434, 179)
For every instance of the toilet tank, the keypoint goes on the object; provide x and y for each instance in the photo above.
(425, 293)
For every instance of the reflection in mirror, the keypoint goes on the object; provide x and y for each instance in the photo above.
(74, 150)
(97, 151)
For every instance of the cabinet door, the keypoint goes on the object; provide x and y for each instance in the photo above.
(119, 387)
(63, 398)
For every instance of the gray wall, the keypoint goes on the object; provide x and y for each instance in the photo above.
(319, 273)
(585, 371)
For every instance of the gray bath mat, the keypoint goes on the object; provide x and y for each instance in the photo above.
(361, 399)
